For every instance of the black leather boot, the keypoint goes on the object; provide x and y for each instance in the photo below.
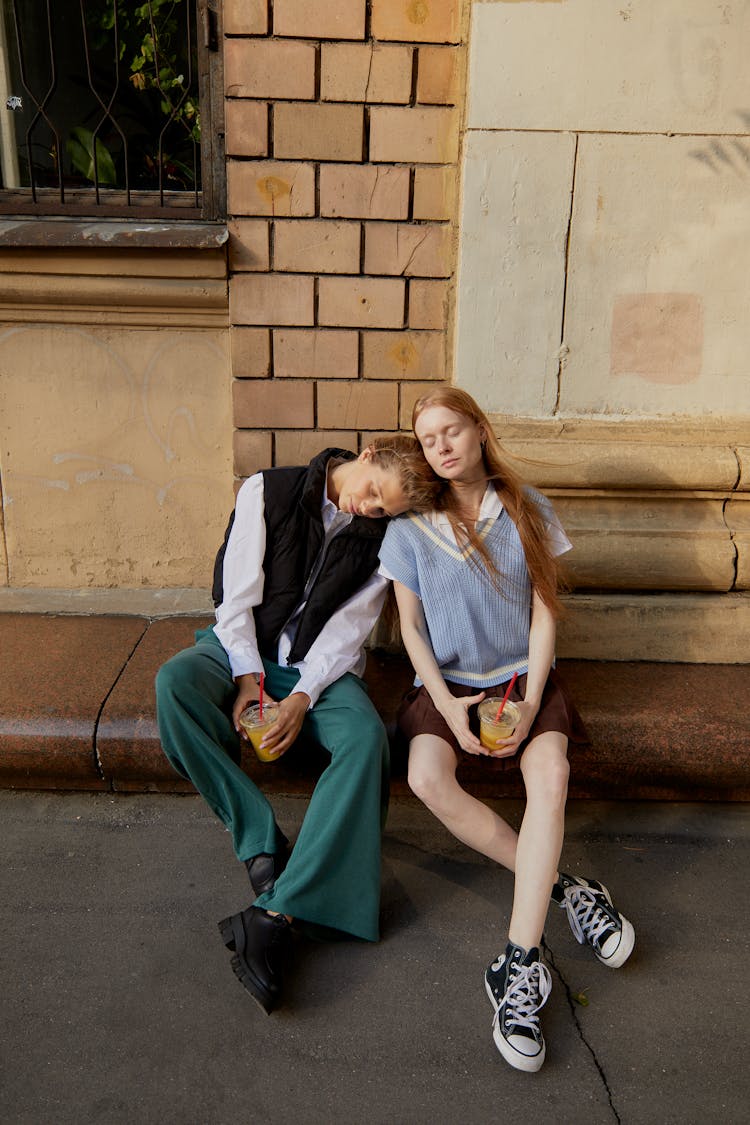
(258, 940)
(264, 869)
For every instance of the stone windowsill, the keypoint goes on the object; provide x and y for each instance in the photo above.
(100, 234)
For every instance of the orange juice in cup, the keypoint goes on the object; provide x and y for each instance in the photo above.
(255, 727)
(492, 727)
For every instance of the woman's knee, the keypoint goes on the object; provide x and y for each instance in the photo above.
(546, 774)
(430, 777)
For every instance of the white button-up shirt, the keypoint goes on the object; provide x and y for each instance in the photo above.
(337, 649)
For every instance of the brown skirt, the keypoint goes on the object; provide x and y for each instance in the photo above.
(557, 711)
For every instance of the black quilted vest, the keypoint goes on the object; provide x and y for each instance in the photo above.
(294, 537)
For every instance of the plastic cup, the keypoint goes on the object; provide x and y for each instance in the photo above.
(492, 728)
(255, 727)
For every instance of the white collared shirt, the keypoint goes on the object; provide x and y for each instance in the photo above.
(337, 649)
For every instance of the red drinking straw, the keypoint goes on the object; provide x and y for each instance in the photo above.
(260, 701)
(508, 690)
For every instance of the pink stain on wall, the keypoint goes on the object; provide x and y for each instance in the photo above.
(658, 336)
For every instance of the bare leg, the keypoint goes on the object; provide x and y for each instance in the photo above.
(545, 770)
(432, 777)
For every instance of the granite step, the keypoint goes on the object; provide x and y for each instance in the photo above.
(77, 712)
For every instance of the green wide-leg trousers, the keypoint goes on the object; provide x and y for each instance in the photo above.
(333, 875)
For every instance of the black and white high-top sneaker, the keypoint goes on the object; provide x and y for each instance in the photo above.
(518, 985)
(595, 920)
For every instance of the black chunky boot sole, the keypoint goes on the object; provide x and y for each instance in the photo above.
(259, 994)
(240, 968)
(226, 929)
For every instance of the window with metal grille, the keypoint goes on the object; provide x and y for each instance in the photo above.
(110, 108)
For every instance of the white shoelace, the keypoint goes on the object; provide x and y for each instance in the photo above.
(587, 919)
(525, 995)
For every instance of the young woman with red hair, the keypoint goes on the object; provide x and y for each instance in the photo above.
(477, 589)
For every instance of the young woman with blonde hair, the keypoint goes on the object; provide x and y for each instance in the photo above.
(476, 583)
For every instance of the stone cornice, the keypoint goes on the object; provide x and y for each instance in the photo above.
(73, 298)
(679, 455)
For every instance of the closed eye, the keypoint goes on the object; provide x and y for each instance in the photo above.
(379, 511)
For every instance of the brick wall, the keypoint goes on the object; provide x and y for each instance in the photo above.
(342, 125)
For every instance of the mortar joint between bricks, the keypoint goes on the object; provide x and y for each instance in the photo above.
(366, 135)
(414, 76)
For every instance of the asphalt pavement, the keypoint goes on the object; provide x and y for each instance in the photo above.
(119, 1004)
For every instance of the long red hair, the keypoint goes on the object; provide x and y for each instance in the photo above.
(542, 565)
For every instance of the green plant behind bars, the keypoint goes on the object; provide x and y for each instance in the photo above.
(151, 49)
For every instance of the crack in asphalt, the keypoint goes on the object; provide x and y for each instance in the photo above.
(550, 958)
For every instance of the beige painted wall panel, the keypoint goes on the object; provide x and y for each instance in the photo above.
(634, 66)
(115, 460)
(698, 628)
(647, 543)
(658, 289)
(516, 199)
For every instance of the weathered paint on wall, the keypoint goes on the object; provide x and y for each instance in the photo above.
(115, 455)
(658, 336)
(513, 229)
(609, 281)
(648, 220)
(632, 66)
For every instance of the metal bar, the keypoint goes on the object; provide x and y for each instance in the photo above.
(103, 107)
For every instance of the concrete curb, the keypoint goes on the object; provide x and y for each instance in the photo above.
(77, 712)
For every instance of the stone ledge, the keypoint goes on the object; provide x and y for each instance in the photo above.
(156, 234)
(55, 676)
(77, 712)
(106, 602)
(689, 627)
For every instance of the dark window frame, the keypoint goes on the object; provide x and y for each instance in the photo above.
(207, 204)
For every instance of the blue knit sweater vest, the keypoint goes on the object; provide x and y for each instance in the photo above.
(480, 636)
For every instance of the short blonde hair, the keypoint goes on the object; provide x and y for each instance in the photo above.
(402, 454)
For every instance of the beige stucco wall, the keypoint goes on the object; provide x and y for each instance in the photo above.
(115, 418)
(601, 301)
(604, 223)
